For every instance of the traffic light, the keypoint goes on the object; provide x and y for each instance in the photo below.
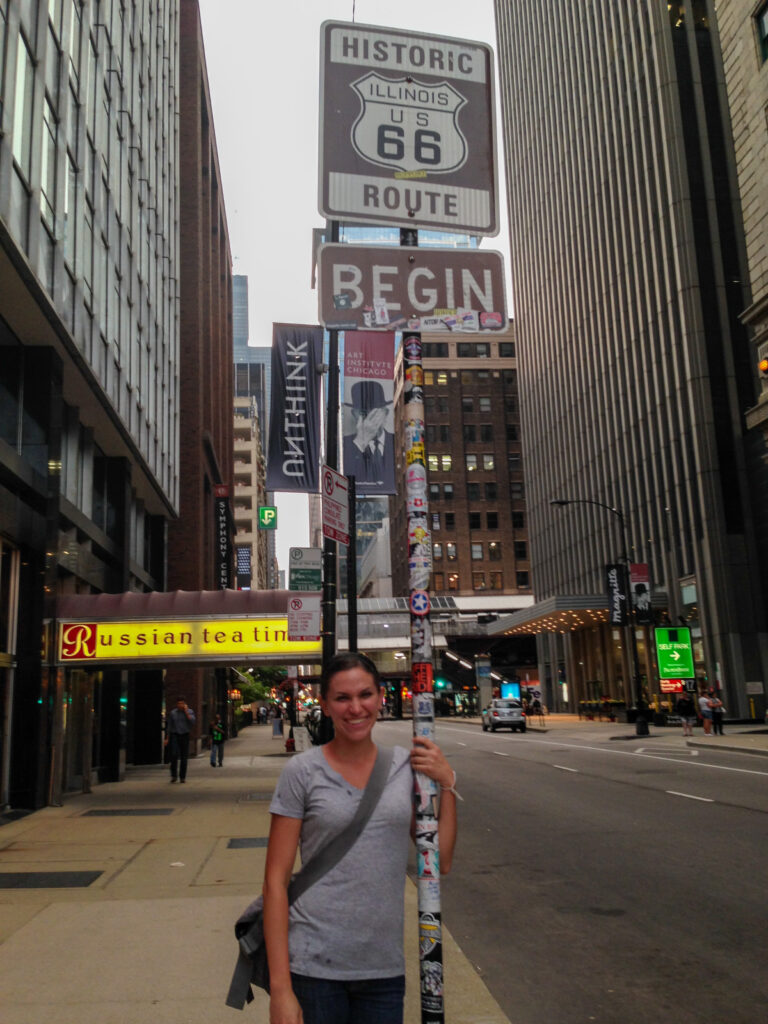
(763, 366)
(439, 683)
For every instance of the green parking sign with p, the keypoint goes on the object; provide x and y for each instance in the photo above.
(674, 653)
(267, 517)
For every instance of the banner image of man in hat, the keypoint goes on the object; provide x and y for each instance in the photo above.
(369, 448)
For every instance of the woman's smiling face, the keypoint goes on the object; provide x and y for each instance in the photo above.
(352, 703)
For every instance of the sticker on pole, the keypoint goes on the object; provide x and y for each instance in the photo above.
(420, 602)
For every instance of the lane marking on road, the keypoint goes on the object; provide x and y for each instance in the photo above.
(500, 753)
(530, 741)
(564, 769)
(460, 744)
(689, 796)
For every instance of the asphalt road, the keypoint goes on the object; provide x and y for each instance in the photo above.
(606, 880)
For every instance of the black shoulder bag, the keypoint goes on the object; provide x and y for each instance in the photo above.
(252, 967)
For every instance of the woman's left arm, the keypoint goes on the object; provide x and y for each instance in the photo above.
(428, 758)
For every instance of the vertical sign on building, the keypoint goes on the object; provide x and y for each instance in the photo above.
(223, 546)
(293, 463)
(640, 591)
(368, 424)
(615, 585)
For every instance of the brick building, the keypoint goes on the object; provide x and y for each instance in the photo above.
(206, 380)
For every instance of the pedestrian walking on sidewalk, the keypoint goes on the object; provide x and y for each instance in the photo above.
(217, 742)
(686, 709)
(336, 953)
(180, 721)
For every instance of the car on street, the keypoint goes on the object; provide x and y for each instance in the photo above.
(504, 713)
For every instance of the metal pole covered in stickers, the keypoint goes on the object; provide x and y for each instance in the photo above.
(426, 790)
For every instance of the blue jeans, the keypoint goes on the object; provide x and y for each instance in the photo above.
(324, 1001)
(217, 751)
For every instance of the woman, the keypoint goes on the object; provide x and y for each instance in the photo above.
(705, 711)
(717, 708)
(344, 962)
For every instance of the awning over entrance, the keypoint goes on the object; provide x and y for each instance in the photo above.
(217, 626)
(561, 614)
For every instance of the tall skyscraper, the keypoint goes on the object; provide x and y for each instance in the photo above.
(635, 372)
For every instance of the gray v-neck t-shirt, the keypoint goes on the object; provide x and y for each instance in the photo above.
(349, 924)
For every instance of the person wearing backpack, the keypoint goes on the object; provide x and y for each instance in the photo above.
(216, 732)
(336, 952)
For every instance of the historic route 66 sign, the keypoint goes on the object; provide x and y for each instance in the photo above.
(407, 129)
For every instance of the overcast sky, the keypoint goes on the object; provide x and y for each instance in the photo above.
(263, 70)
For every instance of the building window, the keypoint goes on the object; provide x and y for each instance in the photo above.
(441, 378)
(473, 350)
(492, 520)
(491, 492)
(448, 492)
(521, 550)
(478, 581)
(429, 377)
(761, 21)
(435, 520)
(450, 521)
(497, 580)
(486, 432)
(435, 350)
(434, 492)
(469, 430)
(510, 403)
(433, 463)
(473, 492)
(518, 520)
(450, 551)
(476, 552)
(437, 552)
(453, 581)
(467, 403)
(516, 490)
(489, 462)
(438, 581)
(471, 461)
(484, 403)
(475, 521)
(507, 349)
(494, 551)
(522, 579)
(48, 167)
(442, 404)
(446, 463)
(513, 432)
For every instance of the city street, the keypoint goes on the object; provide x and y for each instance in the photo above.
(601, 877)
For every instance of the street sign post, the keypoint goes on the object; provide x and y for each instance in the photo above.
(335, 505)
(305, 568)
(674, 653)
(407, 129)
(388, 289)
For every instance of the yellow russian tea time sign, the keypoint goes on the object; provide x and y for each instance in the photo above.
(191, 640)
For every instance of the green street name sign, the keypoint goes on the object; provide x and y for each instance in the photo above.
(674, 653)
(267, 517)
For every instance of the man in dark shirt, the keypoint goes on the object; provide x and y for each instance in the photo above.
(180, 721)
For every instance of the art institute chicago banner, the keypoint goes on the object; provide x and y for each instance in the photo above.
(368, 425)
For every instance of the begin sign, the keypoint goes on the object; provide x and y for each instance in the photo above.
(390, 289)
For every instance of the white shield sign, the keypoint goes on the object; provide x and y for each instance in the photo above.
(409, 126)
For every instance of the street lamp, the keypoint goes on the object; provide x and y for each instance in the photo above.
(641, 724)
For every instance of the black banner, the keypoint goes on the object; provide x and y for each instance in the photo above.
(616, 587)
(294, 422)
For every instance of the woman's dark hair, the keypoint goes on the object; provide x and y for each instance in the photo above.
(344, 662)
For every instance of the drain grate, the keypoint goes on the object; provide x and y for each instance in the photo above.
(128, 812)
(247, 842)
(48, 879)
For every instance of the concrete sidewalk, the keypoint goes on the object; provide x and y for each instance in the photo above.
(118, 907)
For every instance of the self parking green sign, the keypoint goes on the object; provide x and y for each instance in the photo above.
(674, 653)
